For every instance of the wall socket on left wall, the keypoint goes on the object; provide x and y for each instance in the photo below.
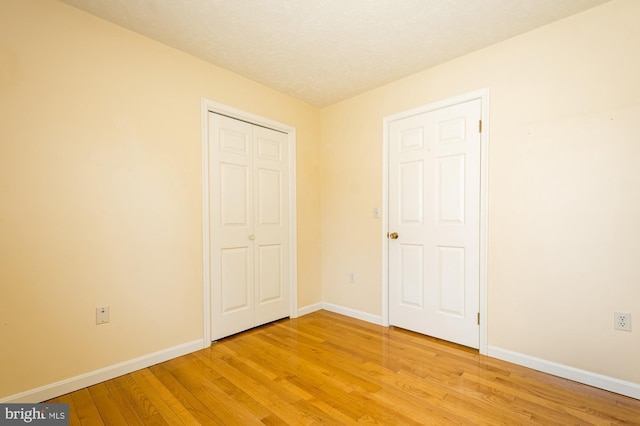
(102, 315)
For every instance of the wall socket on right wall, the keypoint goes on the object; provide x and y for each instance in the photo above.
(622, 321)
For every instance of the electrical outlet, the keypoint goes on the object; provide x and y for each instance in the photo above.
(622, 321)
(352, 277)
(102, 315)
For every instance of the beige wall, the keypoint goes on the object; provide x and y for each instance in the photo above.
(101, 202)
(100, 183)
(563, 189)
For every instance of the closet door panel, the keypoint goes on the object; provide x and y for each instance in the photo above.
(231, 225)
(249, 225)
(271, 224)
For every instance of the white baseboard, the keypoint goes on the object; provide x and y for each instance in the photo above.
(353, 313)
(364, 316)
(600, 381)
(72, 384)
(309, 309)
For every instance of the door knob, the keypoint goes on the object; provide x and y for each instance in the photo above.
(393, 235)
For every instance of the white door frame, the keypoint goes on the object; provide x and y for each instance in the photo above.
(215, 107)
(483, 95)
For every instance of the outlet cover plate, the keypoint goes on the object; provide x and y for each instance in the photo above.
(622, 321)
(102, 315)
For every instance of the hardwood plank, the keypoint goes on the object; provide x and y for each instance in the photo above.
(74, 420)
(193, 375)
(167, 405)
(106, 405)
(279, 399)
(197, 409)
(342, 406)
(323, 356)
(133, 404)
(287, 362)
(67, 399)
(85, 408)
(250, 404)
(325, 368)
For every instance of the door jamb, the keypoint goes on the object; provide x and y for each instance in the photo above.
(483, 95)
(215, 107)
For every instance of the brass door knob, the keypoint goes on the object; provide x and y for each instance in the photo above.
(393, 235)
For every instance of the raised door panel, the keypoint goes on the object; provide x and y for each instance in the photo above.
(450, 189)
(412, 275)
(270, 198)
(269, 274)
(234, 195)
(235, 272)
(411, 191)
(451, 281)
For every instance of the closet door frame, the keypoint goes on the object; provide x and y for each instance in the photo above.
(209, 106)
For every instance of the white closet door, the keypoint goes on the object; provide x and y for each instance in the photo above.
(249, 225)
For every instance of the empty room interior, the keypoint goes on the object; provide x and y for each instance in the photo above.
(179, 176)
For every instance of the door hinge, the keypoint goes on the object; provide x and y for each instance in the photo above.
(479, 126)
(478, 318)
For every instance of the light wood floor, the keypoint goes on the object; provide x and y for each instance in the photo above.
(325, 368)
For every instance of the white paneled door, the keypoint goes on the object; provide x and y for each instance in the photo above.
(434, 222)
(249, 225)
